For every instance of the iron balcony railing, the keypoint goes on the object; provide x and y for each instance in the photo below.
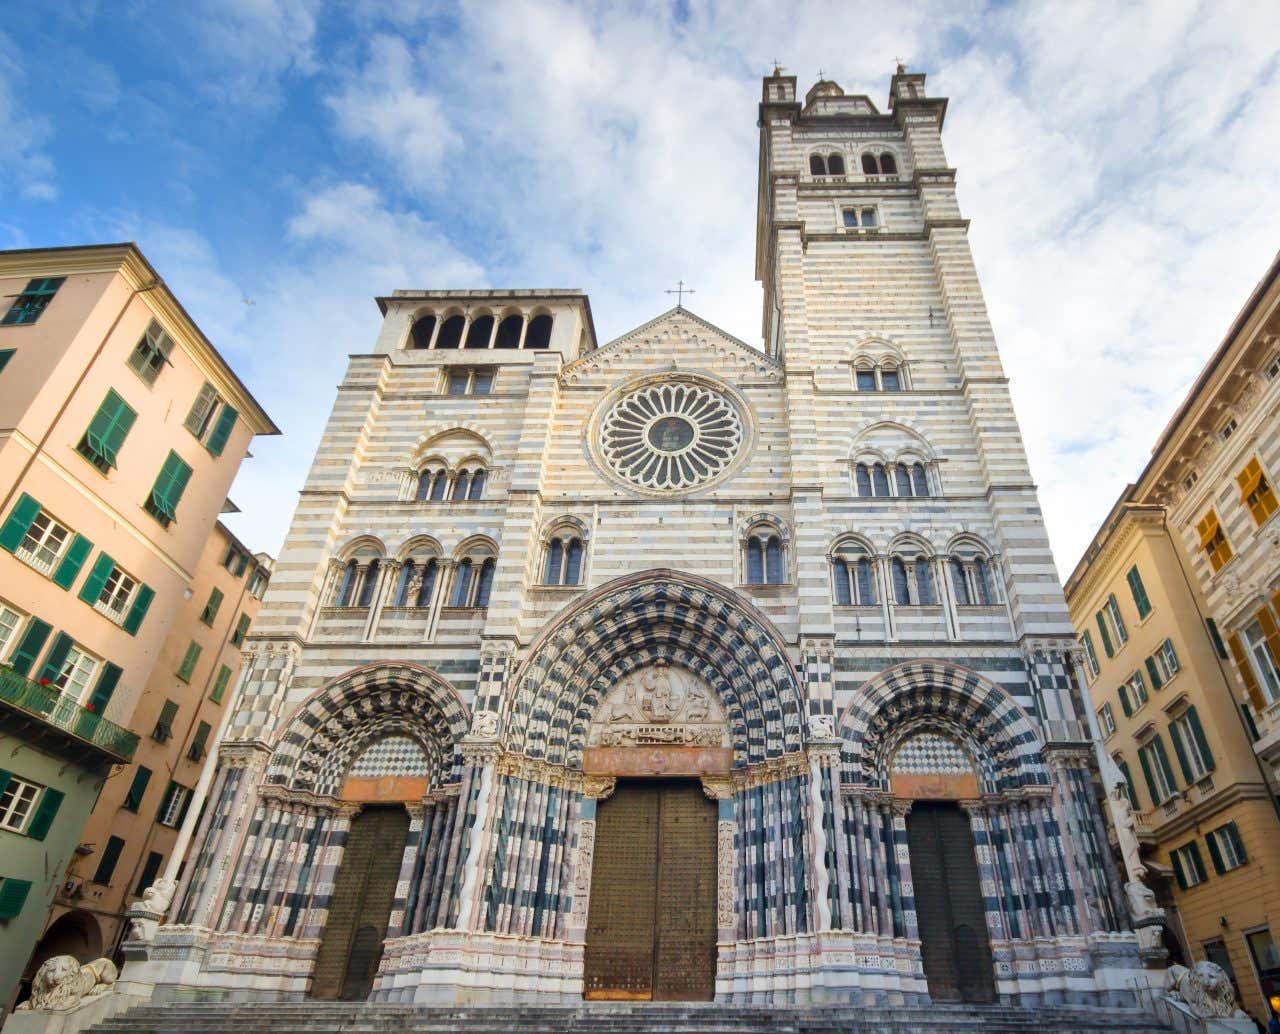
(61, 712)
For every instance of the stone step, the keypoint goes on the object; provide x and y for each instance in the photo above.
(310, 1017)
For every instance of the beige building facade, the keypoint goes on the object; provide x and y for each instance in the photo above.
(121, 430)
(1188, 694)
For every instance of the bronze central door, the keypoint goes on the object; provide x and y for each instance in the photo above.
(360, 907)
(651, 927)
(949, 910)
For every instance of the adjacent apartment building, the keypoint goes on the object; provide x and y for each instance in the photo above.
(1177, 602)
(121, 430)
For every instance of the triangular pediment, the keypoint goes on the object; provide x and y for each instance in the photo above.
(677, 336)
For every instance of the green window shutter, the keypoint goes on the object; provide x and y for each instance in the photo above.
(67, 570)
(1106, 636)
(1119, 620)
(1197, 734)
(24, 657)
(164, 724)
(149, 871)
(242, 629)
(138, 611)
(222, 430)
(211, 608)
(5, 355)
(201, 409)
(182, 812)
(1171, 656)
(13, 895)
(108, 429)
(189, 660)
(98, 575)
(200, 741)
(171, 482)
(1197, 860)
(107, 863)
(1130, 790)
(1175, 734)
(1179, 862)
(1145, 761)
(20, 517)
(1140, 598)
(46, 811)
(138, 788)
(220, 686)
(56, 657)
(5, 778)
(1233, 833)
(1215, 855)
(102, 690)
(1216, 636)
(1124, 701)
(1154, 672)
(1163, 759)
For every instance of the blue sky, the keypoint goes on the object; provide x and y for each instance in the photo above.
(283, 161)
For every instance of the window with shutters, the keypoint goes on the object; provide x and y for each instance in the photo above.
(10, 622)
(1140, 599)
(210, 611)
(1162, 665)
(5, 355)
(1213, 541)
(117, 594)
(1226, 848)
(220, 684)
(1261, 644)
(1256, 492)
(1191, 746)
(149, 872)
(137, 789)
(189, 660)
(1107, 720)
(17, 802)
(211, 419)
(242, 627)
(1111, 626)
(101, 442)
(107, 863)
(257, 583)
(1131, 791)
(75, 673)
(34, 299)
(1133, 693)
(13, 894)
(164, 723)
(174, 806)
(1090, 654)
(150, 354)
(1188, 866)
(1273, 367)
(199, 742)
(1156, 768)
(167, 491)
(1218, 645)
(45, 542)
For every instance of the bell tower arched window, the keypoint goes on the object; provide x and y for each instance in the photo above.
(765, 559)
(912, 578)
(853, 576)
(971, 580)
(563, 561)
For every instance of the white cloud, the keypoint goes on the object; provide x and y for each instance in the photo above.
(24, 165)
(254, 45)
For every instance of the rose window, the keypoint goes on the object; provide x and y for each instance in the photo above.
(672, 436)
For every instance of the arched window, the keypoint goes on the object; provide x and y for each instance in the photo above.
(563, 565)
(461, 482)
(555, 563)
(879, 480)
(480, 332)
(539, 334)
(473, 580)
(408, 571)
(851, 573)
(421, 332)
(369, 584)
(476, 491)
(883, 164)
(913, 581)
(755, 561)
(417, 583)
(484, 584)
(573, 562)
(431, 481)
(869, 167)
(773, 565)
(888, 166)
(926, 595)
(427, 585)
(884, 375)
(817, 165)
(450, 335)
(919, 479)
(901, 584)
(902, 476)
(971, 579)
(509, 331)
(347, 587)
(461, 585)
(835, 165)
(439, 485)
(889, 379)
(862, 475)
(766, 559)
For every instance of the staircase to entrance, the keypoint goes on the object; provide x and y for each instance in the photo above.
(314, 1017)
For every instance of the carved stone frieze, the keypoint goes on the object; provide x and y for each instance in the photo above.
(661, 705)
(726, 883)
(598, 787)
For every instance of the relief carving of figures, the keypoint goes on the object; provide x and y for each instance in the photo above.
(582, 872)
(661, 704)
(726, 913)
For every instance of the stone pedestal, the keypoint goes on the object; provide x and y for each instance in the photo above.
(89, 1012)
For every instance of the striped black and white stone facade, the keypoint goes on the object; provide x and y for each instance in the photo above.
(971, 666)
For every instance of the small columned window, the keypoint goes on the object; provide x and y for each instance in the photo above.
(882, 163)
(829, 164)
(902, 479)
(765, 558)
(912, 578)
(972, 581)
(852, 573)
(563, 564)
(473, 581)
(882, 376)
(417, 584)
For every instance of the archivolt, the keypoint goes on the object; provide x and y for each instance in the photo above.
(660, 614)
(329, 731)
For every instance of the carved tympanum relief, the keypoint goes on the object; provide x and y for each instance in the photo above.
(661, 704)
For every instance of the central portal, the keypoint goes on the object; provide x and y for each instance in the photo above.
(651, 924)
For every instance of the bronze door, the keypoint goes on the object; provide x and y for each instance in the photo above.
(360, 907)
(651, 928)
(949, 910)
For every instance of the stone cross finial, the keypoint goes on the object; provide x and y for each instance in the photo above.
(902, 68)
(680, 291)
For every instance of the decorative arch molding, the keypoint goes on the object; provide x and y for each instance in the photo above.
(352, 546)
(858, 441)
(421, 450)
(649, 616)
(564, 523)
(761, 520)
(912, 541)
(969, 540)
(919, 695)
(335, 725)
(474, 545)
(875, 349)
(419, 545)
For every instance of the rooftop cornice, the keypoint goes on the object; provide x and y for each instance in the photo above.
(536, 294)
(1124, 521)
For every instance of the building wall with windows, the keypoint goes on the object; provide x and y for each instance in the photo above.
(121, 430)
(130, 833)
(1166, 709)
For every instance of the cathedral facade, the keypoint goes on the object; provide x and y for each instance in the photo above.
(672, 667)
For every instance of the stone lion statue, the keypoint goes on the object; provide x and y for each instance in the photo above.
(61, 983)
(1205, 987)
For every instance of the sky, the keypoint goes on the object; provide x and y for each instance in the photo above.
(282, 162)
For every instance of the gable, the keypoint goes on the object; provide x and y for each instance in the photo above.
(675, 340)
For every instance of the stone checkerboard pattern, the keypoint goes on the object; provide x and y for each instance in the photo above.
(494, 702)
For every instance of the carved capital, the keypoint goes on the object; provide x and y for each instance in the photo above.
(478, 752)
(718, 787)
(598, 787)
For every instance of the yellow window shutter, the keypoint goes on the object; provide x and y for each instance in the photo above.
(1246, 673)
(1272, 633)
(1249, 478)
(1207, 529)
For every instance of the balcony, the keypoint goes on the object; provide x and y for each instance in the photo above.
(51, 716)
